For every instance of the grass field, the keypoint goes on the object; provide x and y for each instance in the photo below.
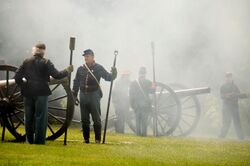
(127, 150)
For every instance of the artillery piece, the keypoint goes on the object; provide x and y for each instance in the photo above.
(177, 110)
(191, 109)
(60, 113)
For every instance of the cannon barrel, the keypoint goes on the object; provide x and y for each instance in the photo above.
(192, 91)
(3, 83)
(189, 92)
(53, 81)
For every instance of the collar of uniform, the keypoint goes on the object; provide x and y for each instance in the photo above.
(91, 66)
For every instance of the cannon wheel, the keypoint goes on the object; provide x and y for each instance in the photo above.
(190, 115)
(10, 103)
(60, 106)
(167, 112)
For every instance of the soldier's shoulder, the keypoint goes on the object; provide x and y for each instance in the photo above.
(27, 60)
(225, 86)
(80, 68)
(46, 61)
(148, 82)
(98, 66)
(235, 85)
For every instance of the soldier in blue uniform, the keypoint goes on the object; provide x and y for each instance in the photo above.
(230, 95)
(140, 101)
(87, 80)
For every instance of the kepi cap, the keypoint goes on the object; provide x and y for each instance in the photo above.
(88, 52)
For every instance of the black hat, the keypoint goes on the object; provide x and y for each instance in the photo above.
(88, 52)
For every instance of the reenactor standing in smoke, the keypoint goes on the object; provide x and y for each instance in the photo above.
(33, 77)
(140, 101)
(120, 98)
(230, 94)
(87, 79)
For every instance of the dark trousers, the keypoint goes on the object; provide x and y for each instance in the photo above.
(36, 118)
(121, 114)
(90, 105)
(141, 117)
(231, 113)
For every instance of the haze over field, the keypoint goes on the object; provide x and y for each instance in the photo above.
(196, 41)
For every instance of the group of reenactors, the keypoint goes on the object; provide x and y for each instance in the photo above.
(33, 77)
(136, 95)
(34, 74)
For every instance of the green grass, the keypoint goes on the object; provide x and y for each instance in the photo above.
(127, 150)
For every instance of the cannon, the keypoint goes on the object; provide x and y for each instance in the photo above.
(177, 110)
(191, 109)
(167, 115)
(60, 109)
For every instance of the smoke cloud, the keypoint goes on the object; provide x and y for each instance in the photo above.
(196, 41)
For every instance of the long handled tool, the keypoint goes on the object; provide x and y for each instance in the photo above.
(155, 128)
(110, 92)
(71, 47)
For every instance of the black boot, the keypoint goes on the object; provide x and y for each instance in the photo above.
(98, 130)
(86, 131)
